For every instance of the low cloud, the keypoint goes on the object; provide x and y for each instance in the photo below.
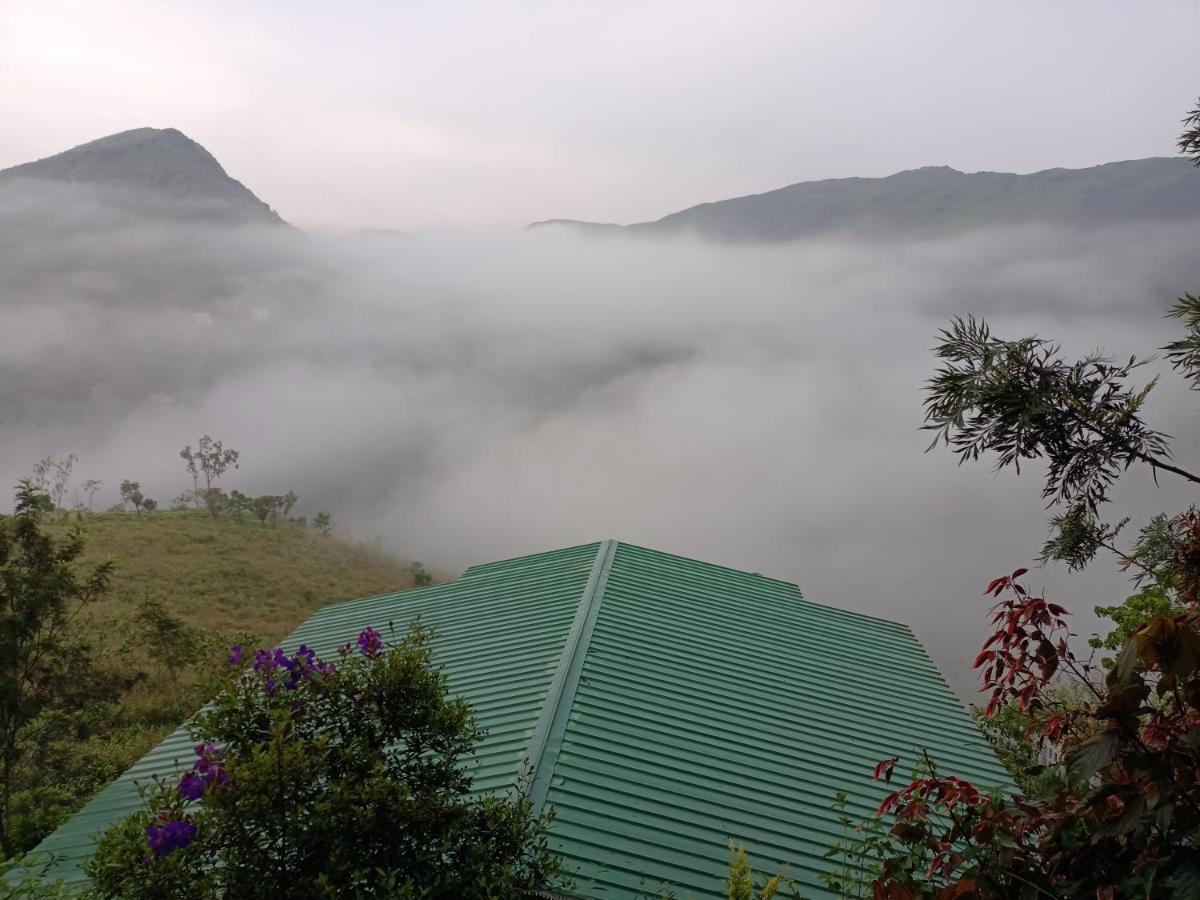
(466, 397)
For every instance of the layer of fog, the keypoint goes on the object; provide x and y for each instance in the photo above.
(461, 398)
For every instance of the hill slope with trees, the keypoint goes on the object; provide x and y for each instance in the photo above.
(183, 587)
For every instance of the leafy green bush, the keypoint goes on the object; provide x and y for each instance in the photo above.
(321, 779)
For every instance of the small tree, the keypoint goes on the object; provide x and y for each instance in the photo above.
(53, 477)
(91, 487)
(42, 667)
(323, 522)
(215, 500)
(315, 779)
(209, 461)
(420, 576)
(167, 639)
(149, 504)
(131, 493)
(266, 507)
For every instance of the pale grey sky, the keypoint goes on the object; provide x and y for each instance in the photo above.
(416, 115)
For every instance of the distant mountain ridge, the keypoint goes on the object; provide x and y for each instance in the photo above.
(163, 165)
(937, 199)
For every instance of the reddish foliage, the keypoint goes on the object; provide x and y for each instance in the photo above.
(1124, 820)
(1026, 650)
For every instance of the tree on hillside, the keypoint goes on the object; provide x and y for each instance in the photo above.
(131, 493)
(329, 779)
(209, 461)
(323, 522)
(53, 477)
(1110, 754)
(43, 667)
(91, 487)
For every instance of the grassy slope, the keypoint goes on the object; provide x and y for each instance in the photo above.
(227, 581)
(229, 577)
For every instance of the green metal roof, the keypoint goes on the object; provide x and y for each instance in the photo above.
(665, 706)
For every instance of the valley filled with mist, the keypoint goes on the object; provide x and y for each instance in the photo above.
(462, 396)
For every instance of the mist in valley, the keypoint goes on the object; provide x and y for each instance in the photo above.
(459, 397)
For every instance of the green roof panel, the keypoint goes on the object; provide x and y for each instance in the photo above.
(664, 705)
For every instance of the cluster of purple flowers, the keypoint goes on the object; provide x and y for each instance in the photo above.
(206, 772)
(170, 836)
(293, 670)
(280, 670)
(370, 642)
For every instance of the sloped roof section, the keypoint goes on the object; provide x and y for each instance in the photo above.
(716, 705)
(662, 706)
(499, 632)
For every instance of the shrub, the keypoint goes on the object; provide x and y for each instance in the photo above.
(323, 779)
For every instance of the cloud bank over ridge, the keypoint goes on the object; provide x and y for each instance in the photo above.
(469, 396)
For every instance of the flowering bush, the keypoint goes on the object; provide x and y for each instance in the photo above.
(315, 778)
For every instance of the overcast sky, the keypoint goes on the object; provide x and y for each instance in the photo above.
(416, 115)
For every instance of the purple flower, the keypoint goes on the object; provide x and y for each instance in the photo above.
(370, 642)
(206, 772)
(235, 654)
(208, 752)
(264, 661)
(305, 657)
(171, 836)
(192, 785)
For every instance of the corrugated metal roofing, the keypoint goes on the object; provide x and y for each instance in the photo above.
(666, 706)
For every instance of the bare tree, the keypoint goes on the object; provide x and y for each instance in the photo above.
(52, 477)
(210, 460)
(91, 487)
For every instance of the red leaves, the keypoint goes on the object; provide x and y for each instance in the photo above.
(1054, 726)
(995, 586)
(1129, 752)
(885, 768)
(1027, 648)
(891, 889)
(914, 800)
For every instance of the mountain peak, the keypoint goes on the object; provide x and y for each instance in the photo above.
(160, 162)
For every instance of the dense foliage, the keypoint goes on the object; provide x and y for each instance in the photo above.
(45, 669)
(328, 779)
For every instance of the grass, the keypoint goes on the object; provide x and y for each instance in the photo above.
(210, 584)
(228, 578)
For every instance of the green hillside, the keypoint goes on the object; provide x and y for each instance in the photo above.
(184, 589)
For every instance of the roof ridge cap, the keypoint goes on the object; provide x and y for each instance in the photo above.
(547, 737)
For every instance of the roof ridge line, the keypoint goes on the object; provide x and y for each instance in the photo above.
(547, 737)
